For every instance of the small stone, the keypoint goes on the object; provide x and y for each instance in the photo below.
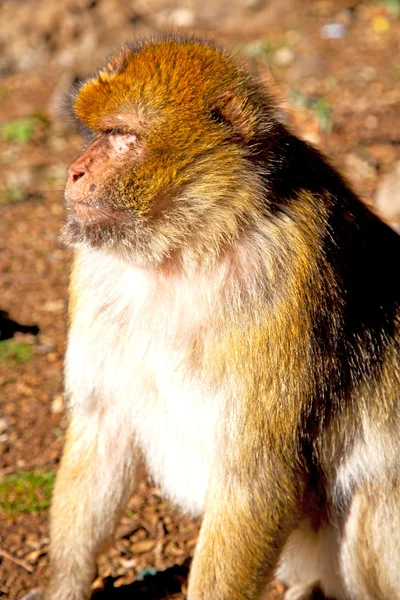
(182, 17)
(284, 56)
(333, 31)
(57, 405)
(54, 306)
(128, 563)
(45, 348)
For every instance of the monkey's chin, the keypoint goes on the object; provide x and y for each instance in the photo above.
(130, 241)
(122, 237)
(99, 231)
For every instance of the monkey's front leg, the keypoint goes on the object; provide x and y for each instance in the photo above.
(243, 532)
(97, 475)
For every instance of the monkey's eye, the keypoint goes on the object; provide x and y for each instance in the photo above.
(113, 131)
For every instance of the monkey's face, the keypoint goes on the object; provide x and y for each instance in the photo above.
(99, 209)
(169, 168)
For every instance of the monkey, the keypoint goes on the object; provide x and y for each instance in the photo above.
(234, 326)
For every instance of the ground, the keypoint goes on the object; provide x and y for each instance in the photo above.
(336, 65)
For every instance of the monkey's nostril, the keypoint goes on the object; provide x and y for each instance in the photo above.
(75, 175)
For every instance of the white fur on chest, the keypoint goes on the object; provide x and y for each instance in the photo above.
(128, 353)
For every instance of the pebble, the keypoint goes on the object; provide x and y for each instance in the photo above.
(45, 348)
(333, 31)
(182, 17)
(129, 563)
(57, 405)
(54, 306)
(283, 57)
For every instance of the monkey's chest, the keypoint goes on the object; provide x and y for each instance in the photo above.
(176, 430)
(147, 387)
(131, 359)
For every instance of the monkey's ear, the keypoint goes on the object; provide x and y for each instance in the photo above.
(230, 110)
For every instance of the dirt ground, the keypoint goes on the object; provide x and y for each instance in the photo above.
(337, 66)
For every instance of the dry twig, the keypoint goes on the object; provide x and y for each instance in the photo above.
(17, 561)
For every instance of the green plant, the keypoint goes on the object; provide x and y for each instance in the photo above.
(12, 195)
(16, 351)
(300, 100)
(320, 106)
(392, 5)
(323, 113)
(26, 492)
(19, 130)
(257, 48)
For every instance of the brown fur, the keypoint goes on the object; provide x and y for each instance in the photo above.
(226, 274)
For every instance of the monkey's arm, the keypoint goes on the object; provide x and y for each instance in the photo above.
(245, 526)
(96, 477)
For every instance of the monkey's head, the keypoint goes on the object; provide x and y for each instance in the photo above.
(174, 128)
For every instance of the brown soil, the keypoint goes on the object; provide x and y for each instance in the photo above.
(342, 94)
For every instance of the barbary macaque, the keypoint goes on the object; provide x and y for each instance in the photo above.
(234, 325)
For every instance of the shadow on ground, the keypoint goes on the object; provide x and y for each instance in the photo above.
(160, 586)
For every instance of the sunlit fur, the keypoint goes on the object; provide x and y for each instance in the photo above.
(237, 330)
(191, 165)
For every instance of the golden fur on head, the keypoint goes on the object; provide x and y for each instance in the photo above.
(179, 82)
(198, 118)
